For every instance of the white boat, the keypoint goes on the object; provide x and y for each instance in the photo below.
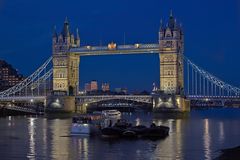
(111, 113)
(86, 124)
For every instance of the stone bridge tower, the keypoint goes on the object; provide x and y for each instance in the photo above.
(65, 65)
(171, 41)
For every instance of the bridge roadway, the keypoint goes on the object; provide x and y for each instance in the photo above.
(95, 99)
(80, 99)
(120, 49)
(23, 98)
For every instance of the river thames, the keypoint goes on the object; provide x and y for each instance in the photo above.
(200, 136)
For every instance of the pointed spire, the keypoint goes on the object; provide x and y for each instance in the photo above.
(65, 31)
(77, 34)
(161, 24)
(171, 13)
(66, 20)
(171, 21)
(77, 41)
(175, 24)
(55, 32)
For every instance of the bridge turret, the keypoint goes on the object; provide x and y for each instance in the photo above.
(65, 40)
(65, 31)
(72, 39)
(77, 40)
(54, 36)
(65, 65)
(171, 21)
(171, 57)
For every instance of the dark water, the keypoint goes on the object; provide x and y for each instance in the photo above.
(198, 137)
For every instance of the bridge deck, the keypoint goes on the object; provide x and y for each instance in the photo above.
(23, 98)
(121, 49)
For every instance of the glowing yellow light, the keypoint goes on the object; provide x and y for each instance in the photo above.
(112, 45)
(137, 45)
(167, 49)
(178, 101)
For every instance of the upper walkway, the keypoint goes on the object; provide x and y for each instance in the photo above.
(115, 49)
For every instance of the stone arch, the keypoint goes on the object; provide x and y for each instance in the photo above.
(71, 90)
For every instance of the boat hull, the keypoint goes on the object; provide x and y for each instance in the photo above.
(110, 132)
(136, 132)
(80, 129)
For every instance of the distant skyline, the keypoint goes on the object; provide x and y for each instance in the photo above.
(211, 36)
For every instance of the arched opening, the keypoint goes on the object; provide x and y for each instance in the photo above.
(70, 89)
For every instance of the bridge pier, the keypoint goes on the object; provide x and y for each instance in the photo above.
(60, 104)
(170, 103)
(81, 108)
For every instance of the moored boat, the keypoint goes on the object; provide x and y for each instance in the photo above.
(111, 132)
(86, 124)
(126, 130)
(156, 132)
(111, 114)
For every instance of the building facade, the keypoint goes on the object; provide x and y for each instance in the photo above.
(105, 87)
(171, 41)
(87, 87)
(8, 76)
(92, 86)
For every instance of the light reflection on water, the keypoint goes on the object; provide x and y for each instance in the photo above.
(206, 140)
(221, 131)
(198, 137)
(31, 131)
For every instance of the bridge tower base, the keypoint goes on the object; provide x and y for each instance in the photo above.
(165, 103)
(60, 104)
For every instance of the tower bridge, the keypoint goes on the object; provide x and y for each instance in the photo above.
(67, 53)
(56, 82)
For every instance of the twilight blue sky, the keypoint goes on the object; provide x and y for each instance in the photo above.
(212, 31)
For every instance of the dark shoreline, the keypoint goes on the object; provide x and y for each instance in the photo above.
(229, 154)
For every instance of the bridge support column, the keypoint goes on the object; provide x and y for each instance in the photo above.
(66, 74)
(81, 108)
(73, 74)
